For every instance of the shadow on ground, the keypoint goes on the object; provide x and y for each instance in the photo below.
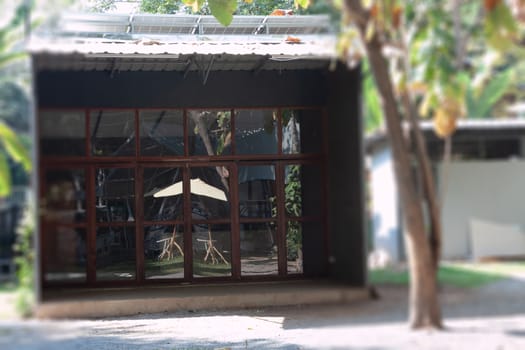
(370, 325)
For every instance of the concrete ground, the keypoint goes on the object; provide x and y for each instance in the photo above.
(490, 317)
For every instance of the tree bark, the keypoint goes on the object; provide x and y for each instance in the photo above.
(427, 180)
(423, 302)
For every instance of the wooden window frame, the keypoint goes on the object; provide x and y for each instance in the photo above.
(138, 162)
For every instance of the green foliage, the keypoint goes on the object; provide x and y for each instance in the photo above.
(223, 122)
(100, 5)
(223, 10)
(13, 103)
(500, 27)
(262, 7)
(226, 8)
(372, 113)
(433, 46)
(446, 52)
(11, 146)
(25, 259)
(10, 34)
(5, 176)
(292, 191)
(14, 106)
(293, 206)
(160, 6)
(479, 104)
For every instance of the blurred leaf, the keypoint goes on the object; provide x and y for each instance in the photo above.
(5, 176)
(223, 10)
(373, 114)
(14, 148)
(6, 58)
(302, 3)
(195, 5)
(480, 105)
(500, 26)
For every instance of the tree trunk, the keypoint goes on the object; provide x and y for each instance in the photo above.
(427, 180)
(423, 301)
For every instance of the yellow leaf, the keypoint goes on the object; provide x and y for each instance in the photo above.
(417, 87)
(424, 107)
(446, 116)
(248, 1)
(444, 124)
(370, 30)
(366, 3)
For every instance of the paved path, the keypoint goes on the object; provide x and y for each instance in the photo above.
(492, 317)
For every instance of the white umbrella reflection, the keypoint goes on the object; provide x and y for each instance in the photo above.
(197, 186)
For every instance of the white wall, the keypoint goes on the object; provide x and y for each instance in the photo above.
(492, 191)
(384, 211)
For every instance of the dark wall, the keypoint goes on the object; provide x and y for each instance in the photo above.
(345, 178)
(171, 89)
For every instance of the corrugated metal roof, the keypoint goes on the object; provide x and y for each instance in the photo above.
(471, 125)
(308, 47)
(482, 124)
(151, 42)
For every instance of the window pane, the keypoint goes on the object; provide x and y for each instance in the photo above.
(302, 131)
(259, 249)
(161, 133)
(65, 254)
(62, 133)
(303, 190)
(209, 188)
(294, 247)
(115, 253)
(65, 200)
(293, 190)
(257, 191)
(209, 133)
(256, 132)
(164, 251)
(112, 133)
(115, 194)
(211, 250)
(163, 198)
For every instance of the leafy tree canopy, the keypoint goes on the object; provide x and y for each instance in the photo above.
(223, 10)
(14, 106)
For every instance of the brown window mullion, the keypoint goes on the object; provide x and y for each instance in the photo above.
(279, 131)
(88, 132)
(188, 239)
(139, 226)
(235, 225)
(91, 231)
(281, 220)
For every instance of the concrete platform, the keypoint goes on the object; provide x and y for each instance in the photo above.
(113, 302)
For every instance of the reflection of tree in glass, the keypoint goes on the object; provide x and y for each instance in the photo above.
(293, 206)
(292, 191)
(291, 124)
(213, 125)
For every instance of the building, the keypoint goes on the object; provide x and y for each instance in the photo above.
(480, 190)
(175, 151)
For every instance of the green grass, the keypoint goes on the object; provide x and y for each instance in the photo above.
(464, 275)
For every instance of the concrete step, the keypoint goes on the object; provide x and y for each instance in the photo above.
(113, 302)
